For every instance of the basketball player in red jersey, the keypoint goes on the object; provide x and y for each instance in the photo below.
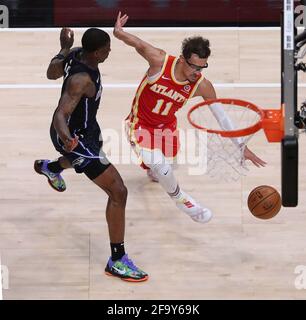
(152, 127)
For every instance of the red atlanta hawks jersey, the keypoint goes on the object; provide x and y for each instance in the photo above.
(157, 101)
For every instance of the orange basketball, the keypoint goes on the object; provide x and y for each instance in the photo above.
(264, 202)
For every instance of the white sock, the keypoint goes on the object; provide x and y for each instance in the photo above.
(156, 161)
(166, 178)
(179, 196)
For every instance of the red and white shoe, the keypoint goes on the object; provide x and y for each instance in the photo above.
(189, 206)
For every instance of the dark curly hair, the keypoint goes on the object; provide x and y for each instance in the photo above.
(197, 45)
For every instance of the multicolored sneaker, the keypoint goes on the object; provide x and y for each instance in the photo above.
(125, 270)
(55, 179)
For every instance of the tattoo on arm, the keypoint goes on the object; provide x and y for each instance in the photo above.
(77, 87)
(56, 67)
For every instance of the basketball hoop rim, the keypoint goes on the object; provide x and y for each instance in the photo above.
(235, 102)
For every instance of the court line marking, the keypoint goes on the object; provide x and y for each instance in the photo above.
(149, 29)
(135, 85)
(1, 295)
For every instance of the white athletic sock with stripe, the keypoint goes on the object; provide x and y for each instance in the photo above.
(156, 161)
(166, 179)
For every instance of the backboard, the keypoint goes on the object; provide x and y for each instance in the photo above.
(289, 147)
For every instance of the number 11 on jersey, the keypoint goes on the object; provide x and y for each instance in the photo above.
(159, 105)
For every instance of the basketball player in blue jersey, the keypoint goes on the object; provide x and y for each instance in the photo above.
(75, 134)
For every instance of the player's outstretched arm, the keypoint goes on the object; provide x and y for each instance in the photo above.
(207, 91)
(56, 67)
(77, 86)
(153, 55)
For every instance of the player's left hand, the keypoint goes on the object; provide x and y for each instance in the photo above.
(66, 38)
(71, 143)
(249, 155)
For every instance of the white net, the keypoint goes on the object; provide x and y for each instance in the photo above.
(225, 156)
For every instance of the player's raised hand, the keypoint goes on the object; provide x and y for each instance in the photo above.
(66, 38)
(120, 22)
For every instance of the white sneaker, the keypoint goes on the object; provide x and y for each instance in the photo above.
(152, 176)
(189, 206)
(202, 216)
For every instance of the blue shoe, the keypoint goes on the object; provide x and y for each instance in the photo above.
(55, 179)
(125, 269)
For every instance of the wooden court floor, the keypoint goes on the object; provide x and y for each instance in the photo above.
(56, 245)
